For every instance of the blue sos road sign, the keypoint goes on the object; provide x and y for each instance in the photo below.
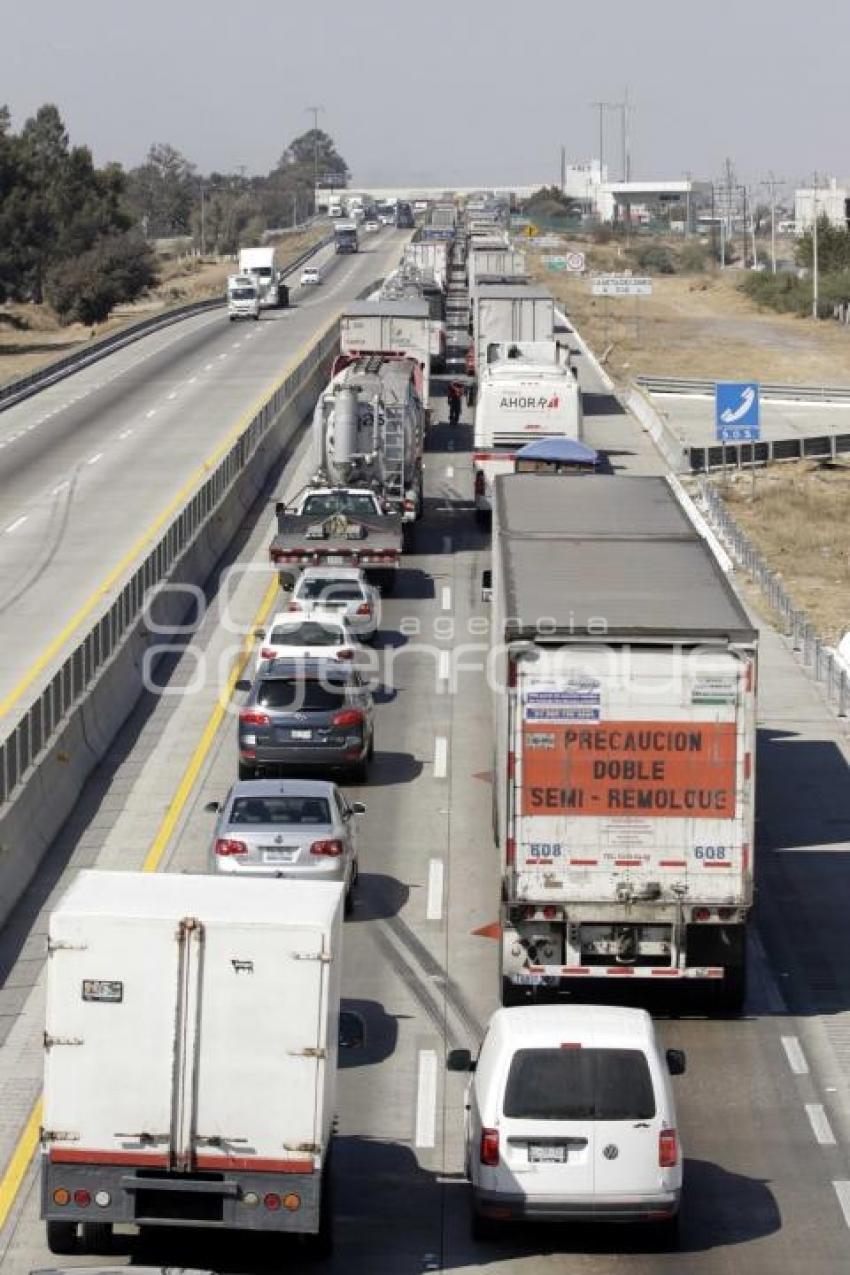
(737, 414)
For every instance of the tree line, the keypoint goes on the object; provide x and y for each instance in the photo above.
(78, 236)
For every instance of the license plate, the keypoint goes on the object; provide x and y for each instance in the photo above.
(543, 1153)
(527, 980)
(335, 560)
(301, 734)
(278, 856)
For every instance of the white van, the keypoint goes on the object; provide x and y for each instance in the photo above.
(570, 1115)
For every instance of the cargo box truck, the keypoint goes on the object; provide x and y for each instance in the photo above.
(401, 328)
(509, 312)
(190, 1056)
(623, 672)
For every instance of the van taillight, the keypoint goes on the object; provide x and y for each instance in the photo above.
(668, 1149)
(294, 606)
(268, 653)
(225, 847)
(510, 851)
(364, 609)
(489, 1154)
(479, 482)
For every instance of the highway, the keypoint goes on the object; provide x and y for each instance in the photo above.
(87, 465)
(765, 1104)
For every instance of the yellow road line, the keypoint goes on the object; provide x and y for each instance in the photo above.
(147, 536)
(19, 1163)
(190, 774)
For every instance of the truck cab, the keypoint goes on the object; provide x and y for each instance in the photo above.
(243, 298)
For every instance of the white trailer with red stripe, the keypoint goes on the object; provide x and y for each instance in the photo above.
(623, 671)
(190, 1056)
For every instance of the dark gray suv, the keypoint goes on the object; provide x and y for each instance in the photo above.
(307, 714)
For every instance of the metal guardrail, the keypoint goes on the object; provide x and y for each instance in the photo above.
(788, 393)
(25, 386)
(39, 723)
(742, 455)
(816, 657)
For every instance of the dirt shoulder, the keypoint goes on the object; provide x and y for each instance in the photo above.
(700, 325)
(31, 337)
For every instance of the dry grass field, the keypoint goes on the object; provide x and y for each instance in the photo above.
(31, 337)
(699, 325)
(799, 519)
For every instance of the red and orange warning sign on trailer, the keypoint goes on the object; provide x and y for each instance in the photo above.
(673, 770)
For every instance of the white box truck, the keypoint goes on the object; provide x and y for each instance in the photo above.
(623, 672)
(243, 297)
(401, 328)
(190, 1056)
(260, 264)
(509, 312)
(528, 390)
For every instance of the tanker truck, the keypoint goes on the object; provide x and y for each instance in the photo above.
(368, 429)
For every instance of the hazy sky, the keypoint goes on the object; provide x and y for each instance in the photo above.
(446, 91)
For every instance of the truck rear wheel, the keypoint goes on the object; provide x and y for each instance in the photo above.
(96, 1237)
(62, 1237)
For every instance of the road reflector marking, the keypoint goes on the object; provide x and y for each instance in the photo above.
(820, 1124)
(434, 908)
(842, 1190)
(426, 1099)
(446, 598)
(441, 757)
(794, 1054)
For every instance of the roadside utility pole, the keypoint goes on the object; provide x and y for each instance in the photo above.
(815, 280)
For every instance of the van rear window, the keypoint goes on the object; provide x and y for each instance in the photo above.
(579, 1084)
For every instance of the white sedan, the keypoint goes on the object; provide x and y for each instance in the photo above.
(339, 591)
(317, 636)
(310, 275)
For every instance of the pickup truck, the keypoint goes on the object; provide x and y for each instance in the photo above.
(337, 527)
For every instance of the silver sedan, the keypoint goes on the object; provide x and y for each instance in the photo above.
(293, 828)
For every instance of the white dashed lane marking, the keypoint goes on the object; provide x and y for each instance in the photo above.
(19, 522)
(794, 1054)
(441, 757)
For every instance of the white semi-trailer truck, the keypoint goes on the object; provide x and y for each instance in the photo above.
(259, 263)
(623, 670)
(190, 1056)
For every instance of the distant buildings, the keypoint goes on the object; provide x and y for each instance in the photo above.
(831, 201)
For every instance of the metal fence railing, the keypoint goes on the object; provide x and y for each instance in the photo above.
(816, 656)
(742, 455)
(23, 387)
(767, 390)
(37, 724)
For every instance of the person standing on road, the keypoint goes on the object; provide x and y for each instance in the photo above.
(455, 396)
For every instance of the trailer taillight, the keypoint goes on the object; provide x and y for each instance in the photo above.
(292, 1202)
(61, 1197)
(510, 851)
(701, 914)
(82, 1198)
(271, 1201)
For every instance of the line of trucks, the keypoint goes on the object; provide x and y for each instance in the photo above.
(623, 678)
